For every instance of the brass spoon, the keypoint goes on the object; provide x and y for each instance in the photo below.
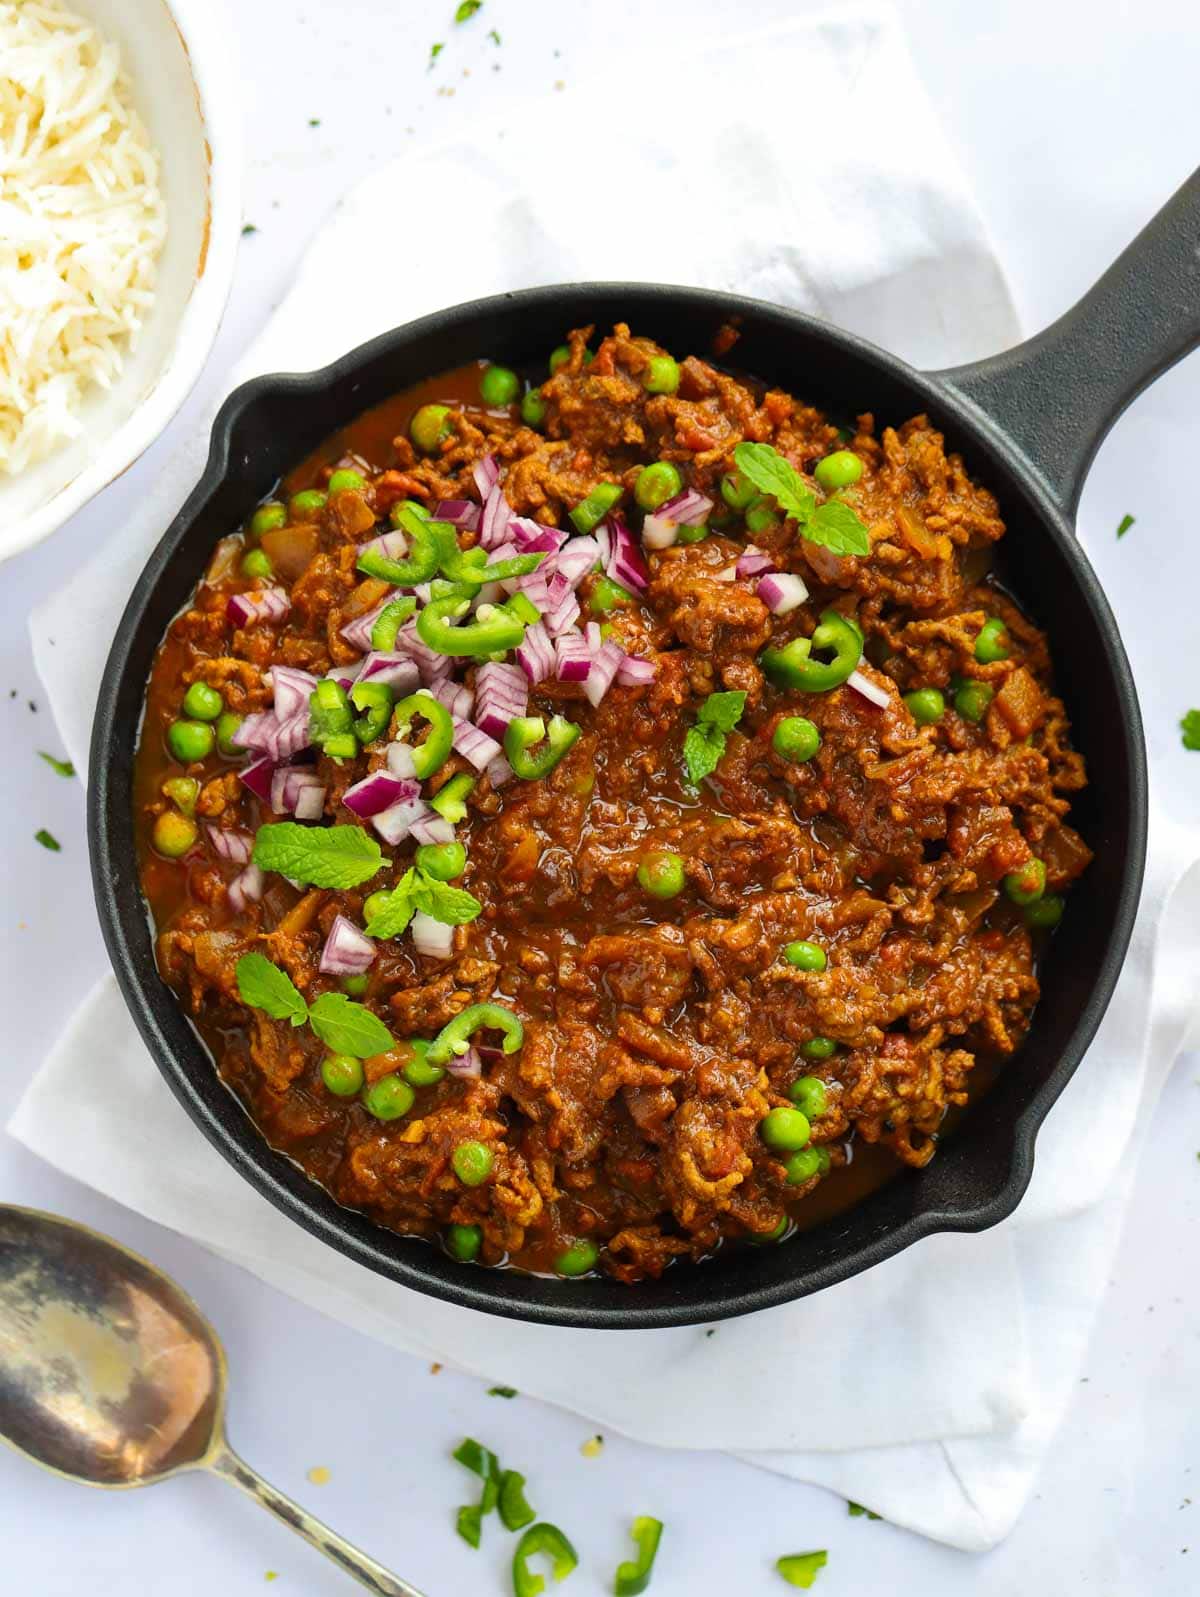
(110, 1375)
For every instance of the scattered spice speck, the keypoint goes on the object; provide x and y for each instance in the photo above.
(493, 36)
(712, 1331)
(271, 1574)
(319, 1475)
(48, 840)
(33, 707)
(435, 1369)
(593, 1447)
(314, 121)
(1189, 727)
(435, 50)
(1125, 523)
(559, 84)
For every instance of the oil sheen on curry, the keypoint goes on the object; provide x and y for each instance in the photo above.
(601, 817)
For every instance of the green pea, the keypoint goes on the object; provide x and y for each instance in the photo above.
(796, 738)
(374, 903)
(472, 1162)
(662, 375)
(656, 484)
(418, 1070)
(189, 741)
(429, 426)
(578, 1259)
(824, 1159)
(1044, 914)
(443, 861)
(533, 409)
(775, 1234)
(761, 516)
(1026, 886)
(267, 517)
(925, 705)
(992, 642)
(355, 986)
(607, 595)
(342, 1074)
(227, 724)
(840, 470)
(559, 357)
(257, 563)
(202, 703)
(738, 492)
(388, 1098)
(819, 1048)
(499, 386)
(183, 791)
(802, 1166)
(307, 505)
(805, 956)
(971, 700)
(784, 1130)
(174, 834)
(692, 534)
(809, 1095)
(464, 1242)
(346, 480)
(661, 874)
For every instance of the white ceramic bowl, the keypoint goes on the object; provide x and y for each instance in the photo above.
(181, 72)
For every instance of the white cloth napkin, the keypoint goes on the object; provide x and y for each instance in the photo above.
(946, 1370)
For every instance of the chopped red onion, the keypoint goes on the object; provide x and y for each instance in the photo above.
(690, 508)
(292, 782)
(871, 691)
(499, 771)
(603, 669)
(536, 589)
(564, 615)
(535, 653)
(458, 512)
(579, 556)
(603, 537)
(456, 697)
(532, 538)
(344, 675)
(493, 523)
(291, 689)
(395, 823)
(486, 473)
(279, 739)
(310, 805)
(467, 1067)
(501, 692)
(753, 562)
(230, 844)
(378, 792)
(432, 666)
(348, 951)
(782, 591)
(726, 574)
(431, 828)
(594, 636)
(257, 774)
(357, 633)
(400, 760)
(573, 656)
(634, 672)
(393, 545)
(432, 938)
(625, 564)
(473, 744)
(658, 532)
(246, 888)
(489, 593)
(392, 669)
(263, 604)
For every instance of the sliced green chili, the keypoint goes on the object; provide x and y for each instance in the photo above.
(550, 1541)
(455, 1036)
(431, 755)
(389, 621)
(374, 699)
(469, 1524)
(424, 557)
(451, 801)
(331, 720)
(633, 1576)
(523, 607)
(526, 731)
(496, 634)
(515, 1512)
(590, 512)
(793, 665)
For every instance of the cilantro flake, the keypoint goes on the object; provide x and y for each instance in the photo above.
(1125, 524)
(62, 767)
(1189, 726)
(48, 840)
(467, 9)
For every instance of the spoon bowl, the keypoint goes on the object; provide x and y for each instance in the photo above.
(111, 1376)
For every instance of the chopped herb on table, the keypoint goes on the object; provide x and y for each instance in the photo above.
(62, 767)
(48, 840)
(483, 1462)
(502, 1391)
(248, 228)
(1125, 524)
(801, 1569)
(493, 36)
(435, 50)
(314, 121)
(1189, 726)
(856, 1511)
(467, 9)
(704, 743)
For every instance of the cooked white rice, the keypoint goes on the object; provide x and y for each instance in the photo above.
(82, 223)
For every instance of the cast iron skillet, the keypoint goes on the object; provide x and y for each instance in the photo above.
(1028, 423)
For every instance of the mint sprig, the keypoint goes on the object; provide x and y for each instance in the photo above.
(342, 1025)
(705, 742)
(318, 856)
(832, 524)
(453, 906)
(264, 986)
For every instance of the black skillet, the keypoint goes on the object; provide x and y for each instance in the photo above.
(1028, 423)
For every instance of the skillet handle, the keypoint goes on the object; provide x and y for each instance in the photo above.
(1057, 394)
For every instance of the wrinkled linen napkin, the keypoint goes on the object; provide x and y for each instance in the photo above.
(945, 1370)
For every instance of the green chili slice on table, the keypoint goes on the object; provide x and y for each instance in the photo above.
(633, 1576)
(515, 1512)
(526, 732)
(431, 755)
(794, 667)
(549, 1541)
(455, 1036)
(801, 1569)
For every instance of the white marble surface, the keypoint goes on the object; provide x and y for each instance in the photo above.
(1074, 121)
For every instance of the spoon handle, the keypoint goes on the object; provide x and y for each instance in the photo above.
(336, 1548)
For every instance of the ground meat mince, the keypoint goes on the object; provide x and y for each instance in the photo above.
(638, 922)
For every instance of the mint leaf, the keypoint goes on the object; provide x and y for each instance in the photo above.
(63, 767)
(393, 916)
(264, 986)
(349, 1028)
(723, 710)
(453, 906)
(835, 526)
(770, 473)
(1190, 727)
(1125, 524)
(319, 856)
(702, 750)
